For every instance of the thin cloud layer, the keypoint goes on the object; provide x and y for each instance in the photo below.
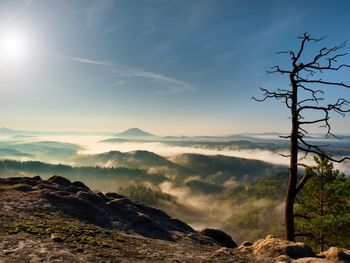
(174, 86)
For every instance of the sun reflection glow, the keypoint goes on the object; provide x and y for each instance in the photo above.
(14, 47)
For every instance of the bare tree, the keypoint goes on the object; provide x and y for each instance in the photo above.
(302, 98)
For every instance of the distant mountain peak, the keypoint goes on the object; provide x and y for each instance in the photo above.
(135, 132)
(7, 130)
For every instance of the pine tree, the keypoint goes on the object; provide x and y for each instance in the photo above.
(323, 210)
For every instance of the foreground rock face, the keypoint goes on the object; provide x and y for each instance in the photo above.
(106, 210)
(56, 220)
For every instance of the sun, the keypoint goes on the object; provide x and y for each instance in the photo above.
(14, 46)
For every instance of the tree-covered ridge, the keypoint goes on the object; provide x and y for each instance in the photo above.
(146, 194)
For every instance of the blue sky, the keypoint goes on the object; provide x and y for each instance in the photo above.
(169, 67)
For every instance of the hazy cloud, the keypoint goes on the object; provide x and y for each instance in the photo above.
(169, 151)
(93, 145)
(84, 60)
(174, 86)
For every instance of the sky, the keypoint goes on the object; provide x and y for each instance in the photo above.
(165, 66)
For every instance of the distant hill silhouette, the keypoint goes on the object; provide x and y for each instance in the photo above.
(134, 132)
(4, 130)
(220, 168)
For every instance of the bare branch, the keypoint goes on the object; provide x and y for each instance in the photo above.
(284, 155)
(303, 130)
(303, 181)
(279, 94)
(314, 121)
(320, 81)
(277, 69)
(328, 157)
(304, 165)
(304, 38)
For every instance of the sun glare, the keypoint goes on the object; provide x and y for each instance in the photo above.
(14, 47)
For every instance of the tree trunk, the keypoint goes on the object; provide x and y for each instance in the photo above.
(322, 208)
(293, 165)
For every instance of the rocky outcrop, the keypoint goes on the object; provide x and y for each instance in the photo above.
(109, 210)
(59, 220)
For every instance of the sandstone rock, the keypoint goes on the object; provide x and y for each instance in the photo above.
(246, 244)
(62, 181)
(282, 259)
(80, 185)
(20, 180)
(91, 197)
(312, 260)
(220, 236)
(337, 255)
(105, 198)
(178, 225)
(77, 186)
(37, 178)
(44, 185)
(79, 207)
(143, 219)
(73, 189)
(223, 250)
(114, 196)
(272, 247)
(246, 247)
(24, 188)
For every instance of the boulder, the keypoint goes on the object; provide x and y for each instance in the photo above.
(92, 197)
(64, 182)
(273, 247)
(37, 178)
(337, 254)
(246, 244)
(219, 236)
(80, 185)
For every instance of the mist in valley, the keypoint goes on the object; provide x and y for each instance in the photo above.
(237, 186)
